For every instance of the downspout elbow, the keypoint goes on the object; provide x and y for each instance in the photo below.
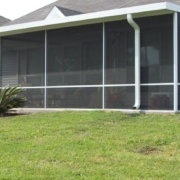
(137, 60)
(133, 23)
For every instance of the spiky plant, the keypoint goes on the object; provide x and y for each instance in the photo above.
(9, 98)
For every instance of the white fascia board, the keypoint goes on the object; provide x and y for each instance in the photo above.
(88, 18)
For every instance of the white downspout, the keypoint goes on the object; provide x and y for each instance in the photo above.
(137, 61)
(175, 34)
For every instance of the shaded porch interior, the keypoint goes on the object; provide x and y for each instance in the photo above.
(72, 75)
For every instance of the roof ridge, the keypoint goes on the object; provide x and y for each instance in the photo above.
(5, 18)
(50, 6)
(46, 6)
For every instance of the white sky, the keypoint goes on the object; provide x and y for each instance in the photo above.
(13, 9)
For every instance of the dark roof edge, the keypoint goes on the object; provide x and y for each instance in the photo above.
(78, 12)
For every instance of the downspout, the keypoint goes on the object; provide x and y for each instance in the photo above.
(137, 61)
(175, 35)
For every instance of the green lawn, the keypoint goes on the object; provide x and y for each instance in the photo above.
(90, 145)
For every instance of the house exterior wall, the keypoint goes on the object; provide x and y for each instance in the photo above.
(72, 74)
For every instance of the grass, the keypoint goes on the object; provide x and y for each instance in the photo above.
(90, 146)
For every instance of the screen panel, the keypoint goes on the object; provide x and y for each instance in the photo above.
(119, 97)
(23, 59)
(85, 98)
(75, 56)
(157, 97)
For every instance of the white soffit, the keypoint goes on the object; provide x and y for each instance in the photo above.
(89, 18)
(55, 14)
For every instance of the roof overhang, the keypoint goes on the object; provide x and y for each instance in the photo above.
(90, 18)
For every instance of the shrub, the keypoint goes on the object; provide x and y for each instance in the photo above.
(9, 98)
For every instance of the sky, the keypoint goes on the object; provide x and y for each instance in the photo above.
(13, 9)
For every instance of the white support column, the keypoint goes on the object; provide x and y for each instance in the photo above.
(103, 68)
(0, 62)
(45, 71)
(175, 37)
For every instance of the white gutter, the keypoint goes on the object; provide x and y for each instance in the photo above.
(89, 18)
(137, 61)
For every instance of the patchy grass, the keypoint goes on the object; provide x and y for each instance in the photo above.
(90, 146)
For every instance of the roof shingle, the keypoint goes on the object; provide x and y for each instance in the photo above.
(3, 20)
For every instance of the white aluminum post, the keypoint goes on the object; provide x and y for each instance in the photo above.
(45, 71)
(103, 66)
(175, 37)
(0, 62)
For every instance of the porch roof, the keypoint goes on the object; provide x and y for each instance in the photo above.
(90, 18)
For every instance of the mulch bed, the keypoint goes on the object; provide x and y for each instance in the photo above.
(13, 113)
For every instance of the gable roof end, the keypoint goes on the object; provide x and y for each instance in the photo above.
(60, 12)
(55, 13)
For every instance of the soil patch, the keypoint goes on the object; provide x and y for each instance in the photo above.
(149, 150)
